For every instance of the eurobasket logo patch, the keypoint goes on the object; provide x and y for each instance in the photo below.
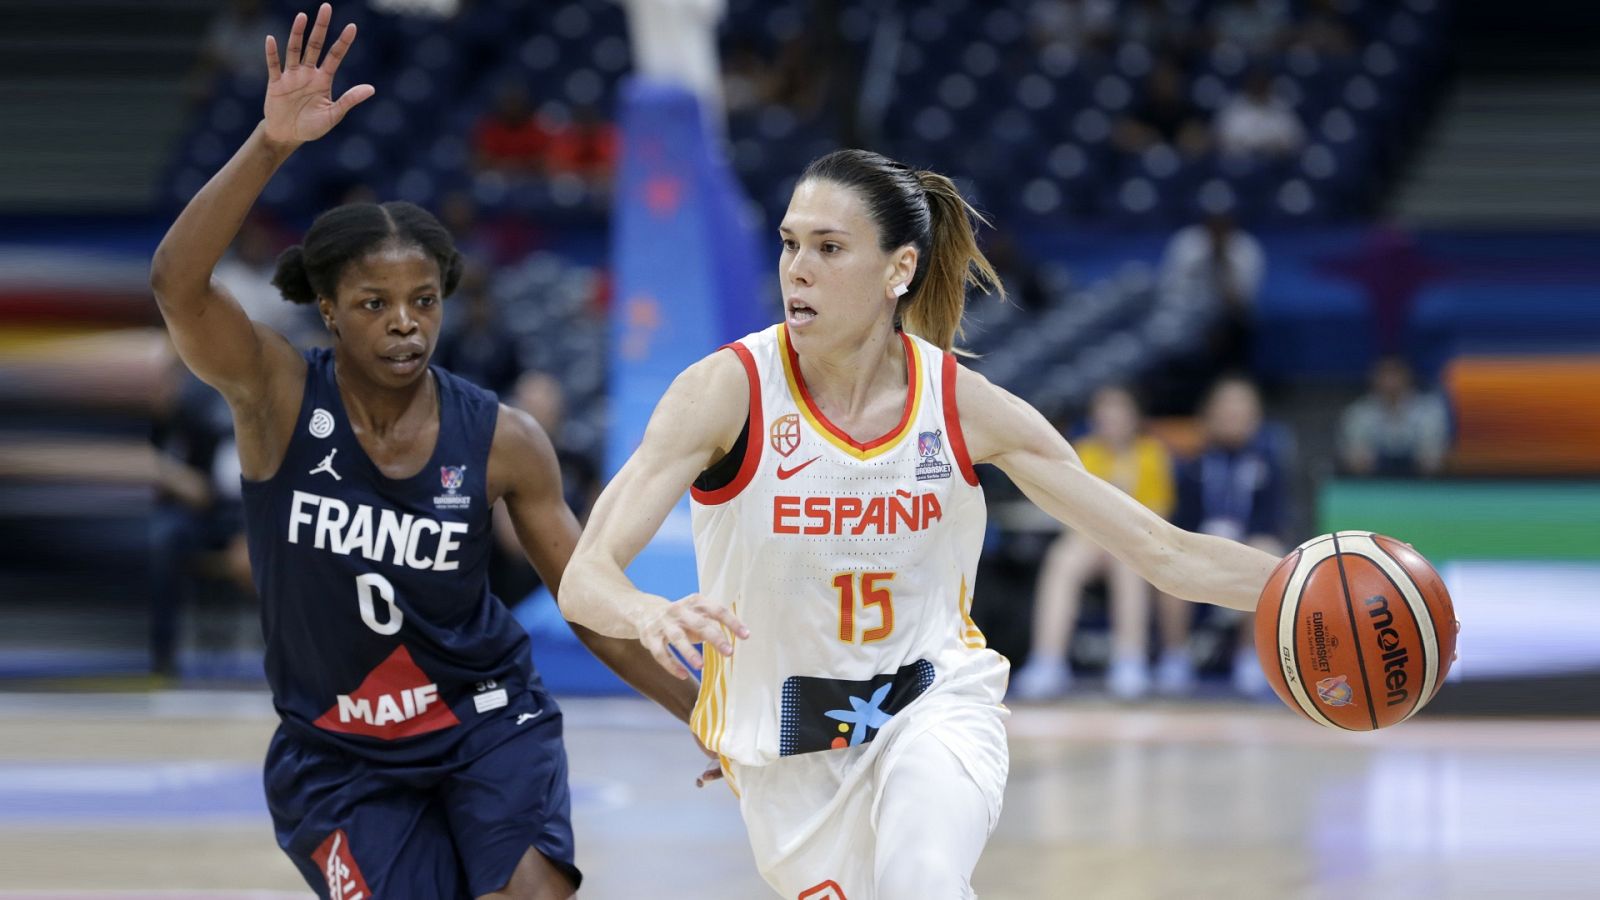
(785, 433)
(333, 858)
(451, 478)
(930, 447)
(1336, 691)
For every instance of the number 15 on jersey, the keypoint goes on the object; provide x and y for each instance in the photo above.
(857, 592)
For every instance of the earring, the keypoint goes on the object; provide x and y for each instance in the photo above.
(901, 289)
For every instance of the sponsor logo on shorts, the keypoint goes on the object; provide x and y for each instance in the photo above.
(1336, 691)
(827, 890)
(339, 867)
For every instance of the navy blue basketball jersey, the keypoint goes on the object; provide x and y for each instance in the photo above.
(382, 636)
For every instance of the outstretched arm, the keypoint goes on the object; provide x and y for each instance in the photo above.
(216, 339)
(1007, 432)
(698, 419)
(524, 470)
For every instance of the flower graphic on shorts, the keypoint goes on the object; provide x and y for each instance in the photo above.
(862, 715)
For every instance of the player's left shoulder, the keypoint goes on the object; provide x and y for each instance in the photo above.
(520, 452)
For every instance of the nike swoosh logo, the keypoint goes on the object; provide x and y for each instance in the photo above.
(786, 474)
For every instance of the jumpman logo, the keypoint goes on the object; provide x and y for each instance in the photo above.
(327, 465)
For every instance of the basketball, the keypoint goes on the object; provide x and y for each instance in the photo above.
(1355, 630)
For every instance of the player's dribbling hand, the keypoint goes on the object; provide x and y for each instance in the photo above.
(680, 626)
(300, 105)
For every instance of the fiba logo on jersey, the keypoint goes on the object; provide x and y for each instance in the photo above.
(930, 446)
(321, 423)
(451, 478)
(785, 433)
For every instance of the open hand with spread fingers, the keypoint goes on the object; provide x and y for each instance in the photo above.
(680, 626)
(300, 105)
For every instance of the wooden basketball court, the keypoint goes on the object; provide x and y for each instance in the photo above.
(158, 796)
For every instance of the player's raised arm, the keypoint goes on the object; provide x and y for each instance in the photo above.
(1007, 432)
(696, 422)
(216, 339)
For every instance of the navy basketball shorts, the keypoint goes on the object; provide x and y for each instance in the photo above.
(456, 827)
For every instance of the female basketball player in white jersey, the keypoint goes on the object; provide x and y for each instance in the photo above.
(837, 524)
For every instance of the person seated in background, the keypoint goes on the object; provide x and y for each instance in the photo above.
(1235, 488)
(1257, 123)
(1255, 26)
(1216, 267)
(1164, 116)
(1072, 24)
(246, 272)
(585, 148)
(480, 349)
(1394, 431)
(1322, 29)
(540, 395)
(196, 520)
(509, 138)
(1115, 451)
(231, 48)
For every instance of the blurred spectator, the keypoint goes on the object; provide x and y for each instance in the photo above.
(1255, 26)
(1259, 123)
(1236, 488)
(1216, 267)
(1074, 24)
(480, 348)
(246, 273)
(197, 524)
(801, 79)
(233, 46)
(1322, 30)
(1395, 430)
(1164, 116)
(503, 242)
(584, 147)
(509, 139)
(746, 80)
(1017, 272)
(1153, 24)
(458, 213)
(541, 396)
(1141, 467)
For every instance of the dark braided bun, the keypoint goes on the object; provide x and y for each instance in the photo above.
(292, 279)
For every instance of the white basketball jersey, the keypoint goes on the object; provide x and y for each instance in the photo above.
(852, 564)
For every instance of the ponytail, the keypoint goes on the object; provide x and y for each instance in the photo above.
(933, 308)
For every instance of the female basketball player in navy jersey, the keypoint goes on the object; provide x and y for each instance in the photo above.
(418, 754)
(838, 523)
